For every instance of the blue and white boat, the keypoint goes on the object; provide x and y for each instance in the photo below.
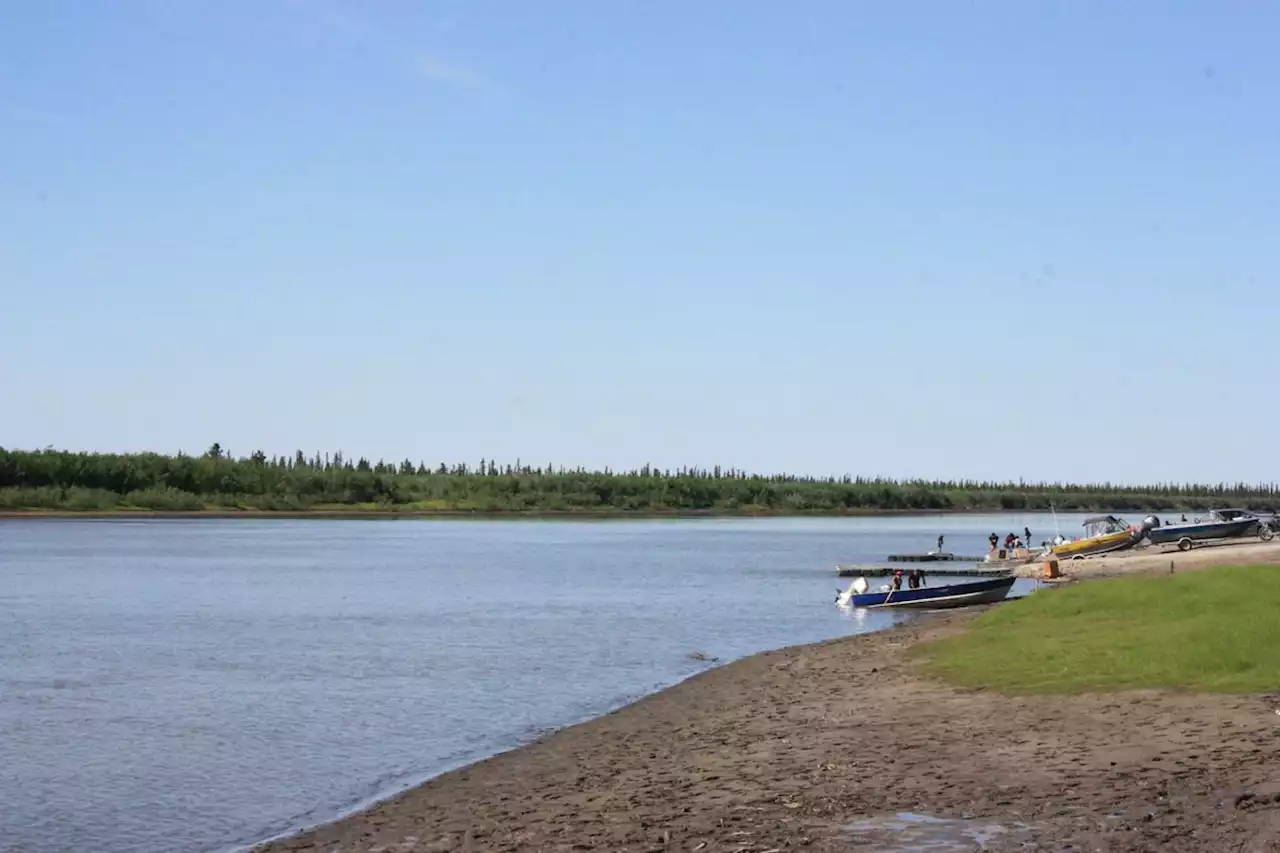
(1219, 524)
(928, 597)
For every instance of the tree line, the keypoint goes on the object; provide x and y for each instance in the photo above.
(63, 480)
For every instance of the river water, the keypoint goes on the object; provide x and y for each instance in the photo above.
(199, 685)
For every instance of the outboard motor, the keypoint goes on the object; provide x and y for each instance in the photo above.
(1142, 532)
(858, 587)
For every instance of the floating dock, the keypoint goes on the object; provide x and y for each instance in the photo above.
(933, 557)
(853, 571)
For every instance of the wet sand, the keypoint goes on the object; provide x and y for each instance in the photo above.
(787, 750)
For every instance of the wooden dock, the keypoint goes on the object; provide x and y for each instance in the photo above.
(873, 571)
(934, 557)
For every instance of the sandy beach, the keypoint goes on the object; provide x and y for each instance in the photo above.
(1153, 560)
(811, 748)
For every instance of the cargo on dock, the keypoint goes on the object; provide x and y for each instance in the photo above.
(873, 571)
(933, 557)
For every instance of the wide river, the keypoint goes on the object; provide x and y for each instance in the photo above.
(201, 685)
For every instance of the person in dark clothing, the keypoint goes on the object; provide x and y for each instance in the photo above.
(913, 579)
(1026, 536)
(994, 540)
(920, 577)
(940, 538)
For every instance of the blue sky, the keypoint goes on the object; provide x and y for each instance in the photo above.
(990, 239)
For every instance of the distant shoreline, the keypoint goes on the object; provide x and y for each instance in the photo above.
(110, 485)
(515, 515)
(488, 515)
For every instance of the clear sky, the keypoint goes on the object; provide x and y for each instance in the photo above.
(988, 239)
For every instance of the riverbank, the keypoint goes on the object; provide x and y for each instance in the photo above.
(330, 512)
(1154, 560)
(104, 482)
(541, 515)
(784, 750)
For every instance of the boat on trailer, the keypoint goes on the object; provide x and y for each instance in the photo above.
(1218, 524)
(929, 597)
(1102, 534)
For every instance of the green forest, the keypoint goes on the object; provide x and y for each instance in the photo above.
(215, 480)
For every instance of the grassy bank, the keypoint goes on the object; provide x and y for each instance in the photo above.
(1213, 630)
(52, 480)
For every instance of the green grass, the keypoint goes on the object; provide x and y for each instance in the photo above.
(1216, 630)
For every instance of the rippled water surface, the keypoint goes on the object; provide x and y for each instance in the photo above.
(197, 685)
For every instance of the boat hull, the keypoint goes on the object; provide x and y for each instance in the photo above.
(938, 597)
(1203, 530)
(1096, 544)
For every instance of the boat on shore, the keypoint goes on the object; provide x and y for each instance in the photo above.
(1218, 524)
(1102, 534)
(1000, 558)
(928, 597)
